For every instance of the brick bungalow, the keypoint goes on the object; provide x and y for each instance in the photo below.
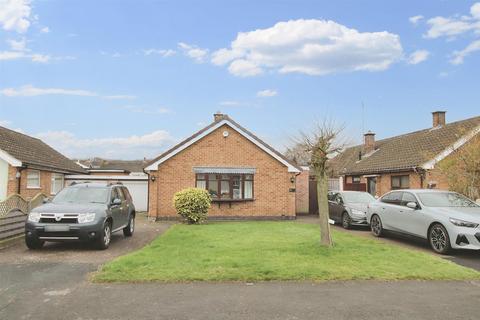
(245, 176)
(29, 166)
(406, 161)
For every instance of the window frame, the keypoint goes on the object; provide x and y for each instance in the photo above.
(53, 181)
(39, 186)
(392, 187)
(359, 178)
(219, 179)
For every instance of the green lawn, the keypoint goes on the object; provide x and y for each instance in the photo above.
(256, 251)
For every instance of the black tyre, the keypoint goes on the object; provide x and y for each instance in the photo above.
(439, 239)
(376, 226)
(346, 221)
(34, 243)
(130, 228)
(105, 237)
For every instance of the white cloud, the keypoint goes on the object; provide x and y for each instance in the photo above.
(459, 56)
(15, 15)
(132, 147)
(18, 45)
(267, 93)
(230, 103)
(11, 55)
(120, 97)
(194, 52)
(45, 30)
(314, 47)
(161, 52)
(418, 56)
(31, 91)
(40, 58)
(453, 26)
(415, 19)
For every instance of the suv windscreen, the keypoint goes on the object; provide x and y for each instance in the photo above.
(82, 195)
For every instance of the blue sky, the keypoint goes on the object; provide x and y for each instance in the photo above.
(127, 79)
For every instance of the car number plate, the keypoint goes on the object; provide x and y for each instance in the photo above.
(57, 228)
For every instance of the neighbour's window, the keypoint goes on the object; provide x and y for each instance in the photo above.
(57, 183)
(400, 182)
(356, 179)
(393, 198)
(33, 179)
(226, 186)
(408, 197)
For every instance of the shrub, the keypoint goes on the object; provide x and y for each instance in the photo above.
(192, 204)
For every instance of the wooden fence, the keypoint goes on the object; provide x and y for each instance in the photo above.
(13, 213)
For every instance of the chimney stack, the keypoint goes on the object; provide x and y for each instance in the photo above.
(369, 142)
(218, 116)
(438, 118)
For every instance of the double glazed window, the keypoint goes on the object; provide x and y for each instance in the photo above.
(33, 179)
(226, 186)
(57, 183)
(400, 182)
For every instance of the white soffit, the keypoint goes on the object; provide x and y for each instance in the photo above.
(9, 159)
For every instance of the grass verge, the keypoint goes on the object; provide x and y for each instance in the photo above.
(264, 251)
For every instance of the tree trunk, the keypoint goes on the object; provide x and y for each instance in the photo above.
(322, 190)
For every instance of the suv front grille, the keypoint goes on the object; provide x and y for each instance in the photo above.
(58, 218)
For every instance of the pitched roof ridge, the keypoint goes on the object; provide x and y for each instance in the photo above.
(20, 133)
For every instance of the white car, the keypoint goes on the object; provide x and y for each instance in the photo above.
(446, 219)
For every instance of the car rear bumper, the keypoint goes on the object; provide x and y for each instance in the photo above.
(63, 232)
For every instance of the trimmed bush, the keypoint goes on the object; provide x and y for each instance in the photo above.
(192, 204)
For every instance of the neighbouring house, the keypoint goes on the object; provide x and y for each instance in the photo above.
(129, 172)
(245, 177)
(29, 166)
(406, 161)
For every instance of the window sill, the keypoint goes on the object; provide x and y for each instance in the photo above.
(34, 188)
(232, 200)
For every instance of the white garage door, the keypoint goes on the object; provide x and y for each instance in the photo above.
(139, 192)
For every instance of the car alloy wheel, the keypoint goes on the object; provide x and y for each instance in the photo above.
(439, 239)
(132, 224)
(376, 226)
(346, 221)
(107, 234)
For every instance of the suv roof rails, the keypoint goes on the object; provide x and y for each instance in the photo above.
(114, 183)
(81, 182)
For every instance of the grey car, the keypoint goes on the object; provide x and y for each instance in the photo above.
(446, 219)
(349, 207)
(82, 212)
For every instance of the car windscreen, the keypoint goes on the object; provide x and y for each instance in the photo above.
(82, 195)
(358, 197)
(445, 199)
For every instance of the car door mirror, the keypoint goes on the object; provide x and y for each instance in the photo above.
(412, 205)
(116, 202)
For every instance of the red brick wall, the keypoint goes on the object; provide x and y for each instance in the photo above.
(271, 181)
(28, 193)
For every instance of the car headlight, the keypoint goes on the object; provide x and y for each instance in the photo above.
(34, 216)
(462, 223)
(86, 217)
(356, 212)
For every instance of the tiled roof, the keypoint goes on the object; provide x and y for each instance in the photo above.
(403, 152)
(33, 152)
(108, 164)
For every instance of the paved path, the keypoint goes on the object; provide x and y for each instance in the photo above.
(467, 258)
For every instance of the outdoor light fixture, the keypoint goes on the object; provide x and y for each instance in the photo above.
(17, 175)
(292, 179)
(152, 178)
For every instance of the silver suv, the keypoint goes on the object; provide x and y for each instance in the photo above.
(82, 212)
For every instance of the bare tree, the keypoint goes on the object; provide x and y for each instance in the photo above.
(297, 154)
(322, 143)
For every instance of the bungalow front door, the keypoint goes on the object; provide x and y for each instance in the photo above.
(372, 185)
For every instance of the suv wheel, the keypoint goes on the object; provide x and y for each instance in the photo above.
(130, 228)
(105, 236)
(376, 226)
(346, 221)
(439, 239)
(33, 243)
